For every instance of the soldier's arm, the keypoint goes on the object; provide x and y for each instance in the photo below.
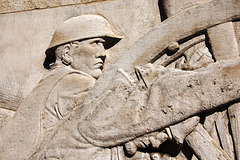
(126, 113)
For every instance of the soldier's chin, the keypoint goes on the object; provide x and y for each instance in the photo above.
(96, 73)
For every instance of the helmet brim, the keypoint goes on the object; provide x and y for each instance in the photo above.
(109, 42)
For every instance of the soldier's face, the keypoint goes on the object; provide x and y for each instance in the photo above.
(89, 57)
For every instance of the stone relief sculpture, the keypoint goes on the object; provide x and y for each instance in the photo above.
(75, 58)
(175, 96)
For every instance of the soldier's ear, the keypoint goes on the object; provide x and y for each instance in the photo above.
(66, 55)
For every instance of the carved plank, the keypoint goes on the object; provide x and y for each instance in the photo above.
(209, 125)
(225, 137)
(223, 41)
(234, 115)
(204, 146)
(209, 122)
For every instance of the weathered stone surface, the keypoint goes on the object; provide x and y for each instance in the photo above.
(225, 138)
(223, 42)
(234, 112)
(199, 140)
(5, 115)
(236, 26)
(172, 7)
(197, 85)
(119, 80)
(24, 5)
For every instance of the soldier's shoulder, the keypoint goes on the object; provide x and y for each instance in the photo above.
(77, 80)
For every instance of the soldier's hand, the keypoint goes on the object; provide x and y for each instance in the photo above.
(154, 140)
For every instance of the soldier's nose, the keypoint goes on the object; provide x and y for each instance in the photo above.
(101, 51)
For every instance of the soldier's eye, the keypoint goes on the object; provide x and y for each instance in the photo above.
(99, 41)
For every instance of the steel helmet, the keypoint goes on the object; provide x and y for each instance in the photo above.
(83, 27)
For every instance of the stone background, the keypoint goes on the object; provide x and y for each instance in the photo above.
(26, 5)
(28, 25)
